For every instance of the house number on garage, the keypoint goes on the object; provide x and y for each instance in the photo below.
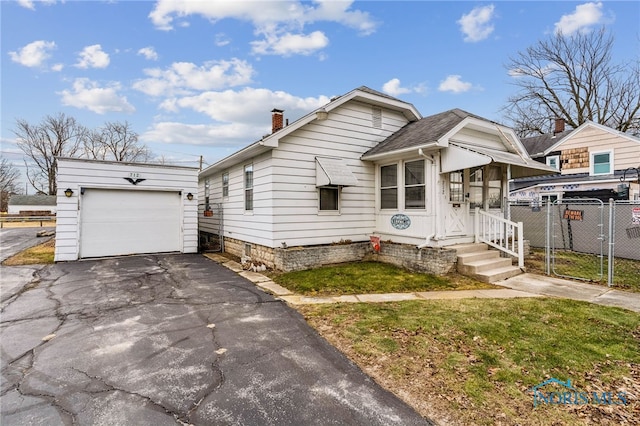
(400, 221)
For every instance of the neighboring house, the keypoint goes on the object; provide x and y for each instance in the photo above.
(594, 161)
(32, 205)
(108, 208)
(365, 164)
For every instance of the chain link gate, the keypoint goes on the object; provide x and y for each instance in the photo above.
(576, 239)
(210, 227)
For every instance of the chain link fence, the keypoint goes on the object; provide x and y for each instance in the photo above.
(583, 239)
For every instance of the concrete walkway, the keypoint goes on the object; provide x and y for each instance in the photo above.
(525, 285)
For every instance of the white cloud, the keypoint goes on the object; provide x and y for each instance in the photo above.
(86, 94)
(240, 117)
(149, 53)
(184, 77)
(93, 57)
(31, 4)
(33, 54)
(394, 88)
(248, 105)
(290, 44)
(454, 83)
(476, 25)
(584, 16)
(57, 67)
(221, 40)
(280, 23)
(221, 135)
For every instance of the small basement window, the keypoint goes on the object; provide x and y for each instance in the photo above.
(329, 196)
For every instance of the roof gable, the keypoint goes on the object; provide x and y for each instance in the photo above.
(590, 125)
(362, 93)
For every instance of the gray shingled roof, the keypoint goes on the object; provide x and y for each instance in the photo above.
(535, 145)
(421, 132)
(32, 200)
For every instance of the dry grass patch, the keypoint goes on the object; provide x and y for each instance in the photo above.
(37, 255)
(474, 362)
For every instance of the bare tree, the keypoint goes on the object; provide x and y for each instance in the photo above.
(574, 78)
(9, 176)
(55, 136)
(116, 142)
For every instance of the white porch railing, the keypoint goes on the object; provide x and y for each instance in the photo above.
(500, 233)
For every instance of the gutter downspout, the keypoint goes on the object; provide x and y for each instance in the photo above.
(432, 161)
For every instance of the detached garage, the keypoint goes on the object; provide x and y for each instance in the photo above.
(112, 209)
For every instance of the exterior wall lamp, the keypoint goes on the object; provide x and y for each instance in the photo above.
(68, 192)
(189, 196)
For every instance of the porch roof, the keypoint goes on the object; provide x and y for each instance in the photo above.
(461, 156)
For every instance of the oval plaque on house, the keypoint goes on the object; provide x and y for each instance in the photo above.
(400, 221)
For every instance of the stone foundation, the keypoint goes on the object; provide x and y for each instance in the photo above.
(299, 258)
(436, 261)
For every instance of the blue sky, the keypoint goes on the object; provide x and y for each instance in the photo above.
(201, 77)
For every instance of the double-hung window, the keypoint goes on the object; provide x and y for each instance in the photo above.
(414, 185)
(389, 187)
(601, 163)
(248, 187)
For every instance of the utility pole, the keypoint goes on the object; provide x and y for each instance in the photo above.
(201, 163)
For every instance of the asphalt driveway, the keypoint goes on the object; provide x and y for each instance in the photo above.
(170, 339)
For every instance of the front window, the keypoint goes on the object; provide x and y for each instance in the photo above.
(329, 196)
(414, 185)
(225, 184)
(389, 187)
(248, 187)
(456, 187)
(601, 163)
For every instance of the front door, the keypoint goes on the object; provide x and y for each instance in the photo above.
(456, 218)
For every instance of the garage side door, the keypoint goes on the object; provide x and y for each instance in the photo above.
(120, 222)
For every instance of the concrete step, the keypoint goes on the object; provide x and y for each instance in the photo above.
(498, 274)
(466, 258)
(469, 248)
(479, 266)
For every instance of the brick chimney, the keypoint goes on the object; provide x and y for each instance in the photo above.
(559, 128)
(277, 121)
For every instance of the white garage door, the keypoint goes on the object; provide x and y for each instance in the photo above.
(119, 222)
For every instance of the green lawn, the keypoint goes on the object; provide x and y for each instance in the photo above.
(476, 360)
(370, 277)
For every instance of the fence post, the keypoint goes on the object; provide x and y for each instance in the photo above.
(520, 245)
(612, 212)
(547, 240)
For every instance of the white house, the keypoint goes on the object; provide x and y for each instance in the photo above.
(112, 208)
(592, 161)
(365, 164)
(32, 204)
